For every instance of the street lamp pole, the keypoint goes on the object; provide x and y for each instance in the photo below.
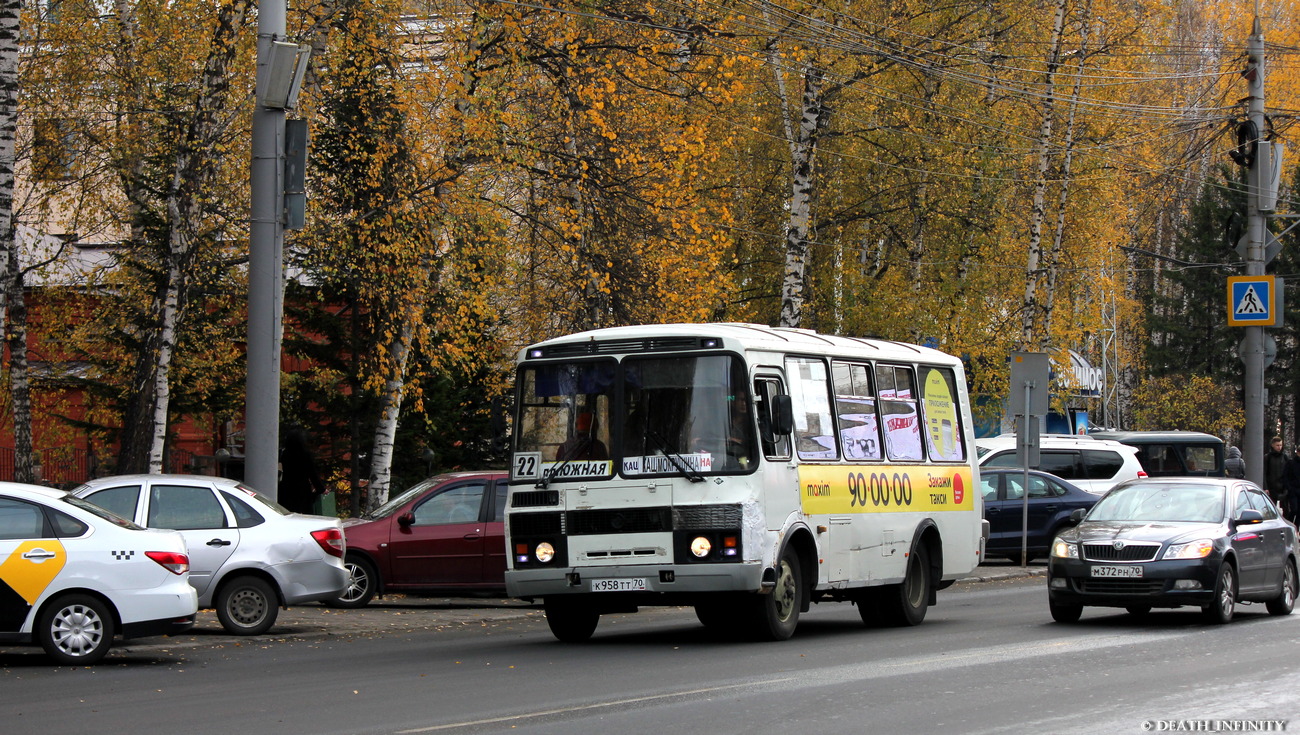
(265, 268)
(1252, 346)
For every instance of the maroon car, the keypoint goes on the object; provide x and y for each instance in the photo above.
(445, 534)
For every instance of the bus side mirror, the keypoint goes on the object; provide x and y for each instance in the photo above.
(782, 415)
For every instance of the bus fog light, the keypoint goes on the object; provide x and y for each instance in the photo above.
(544, 552)
(701, 547)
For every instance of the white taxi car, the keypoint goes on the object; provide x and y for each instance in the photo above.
(72, 576)
(248, 555)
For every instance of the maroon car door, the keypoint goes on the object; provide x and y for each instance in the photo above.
(442, 545)
(494, 549)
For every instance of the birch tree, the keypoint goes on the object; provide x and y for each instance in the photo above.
(191, 171)
(1032, 335)
(10, 13)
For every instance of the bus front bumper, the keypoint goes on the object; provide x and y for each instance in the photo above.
(650, 581)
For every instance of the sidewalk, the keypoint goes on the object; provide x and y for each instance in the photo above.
(403, 613)
(994, 571)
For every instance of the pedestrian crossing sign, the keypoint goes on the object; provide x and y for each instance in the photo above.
(1254, 301)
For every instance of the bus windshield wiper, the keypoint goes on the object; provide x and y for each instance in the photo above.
(678, 461)
(573, 452)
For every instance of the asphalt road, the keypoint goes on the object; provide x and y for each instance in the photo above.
(988, 659)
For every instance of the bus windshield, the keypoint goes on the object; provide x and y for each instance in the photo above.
(682, 415)
(686, 410)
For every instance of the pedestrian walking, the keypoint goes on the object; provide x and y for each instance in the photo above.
(300, 482)
(1291, 482)
(1274, 466)
(1234, 465)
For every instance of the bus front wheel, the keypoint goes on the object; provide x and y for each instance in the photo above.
(774, 616)
(570, 620)
(717, 615)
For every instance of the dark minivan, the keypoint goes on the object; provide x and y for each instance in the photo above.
(1173, 453)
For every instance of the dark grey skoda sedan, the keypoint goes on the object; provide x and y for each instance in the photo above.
(1169, 542)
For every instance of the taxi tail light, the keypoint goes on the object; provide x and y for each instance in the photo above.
(174, 563)
(331, 540)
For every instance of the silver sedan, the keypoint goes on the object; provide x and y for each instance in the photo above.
(248, 555)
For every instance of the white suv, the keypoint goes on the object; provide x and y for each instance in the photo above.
(1095, 465)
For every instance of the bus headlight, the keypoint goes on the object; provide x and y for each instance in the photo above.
(1065, 550)
(701, 546)
(544, 552)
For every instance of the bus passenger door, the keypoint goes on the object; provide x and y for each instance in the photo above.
(779, 477)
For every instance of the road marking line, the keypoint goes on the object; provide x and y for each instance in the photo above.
(598, 705)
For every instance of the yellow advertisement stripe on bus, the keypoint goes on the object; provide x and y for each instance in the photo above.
(839, 489)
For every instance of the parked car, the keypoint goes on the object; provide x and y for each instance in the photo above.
(1173, 453)
(72, 576)
(1095, 465)
(445, 534)
(1051, 501)
(1169, 542)
(248, 555)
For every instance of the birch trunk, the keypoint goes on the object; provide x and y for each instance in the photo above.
(162, 368)
(1031, 307)
(192, 174)
(920, 217)
(130, 102)
(19, 376)
(390, 409)
(803, 159)
(10, 11)
(136, 425)
(1058, 237)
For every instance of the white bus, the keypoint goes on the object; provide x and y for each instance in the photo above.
(745, 470)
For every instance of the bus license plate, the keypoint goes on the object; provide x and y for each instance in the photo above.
(618, 585)
(1116, 571)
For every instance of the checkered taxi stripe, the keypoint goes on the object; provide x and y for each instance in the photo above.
(122, 555)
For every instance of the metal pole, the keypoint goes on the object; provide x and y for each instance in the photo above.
(1024, 501)
(1252, 352)
(265, 270)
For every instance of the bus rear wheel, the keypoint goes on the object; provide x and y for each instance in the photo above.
(570, 620)
(906, 604)
(775, 615)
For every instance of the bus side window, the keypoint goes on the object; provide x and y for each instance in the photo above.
(898, 406)
(814, 423)
(941, 417)
(855, 411)
(774, 446)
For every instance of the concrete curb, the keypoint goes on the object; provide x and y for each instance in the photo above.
(996, 574)
(399, 614)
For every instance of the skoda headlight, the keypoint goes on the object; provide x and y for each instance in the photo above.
(1064, 549)
(1198, 549)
